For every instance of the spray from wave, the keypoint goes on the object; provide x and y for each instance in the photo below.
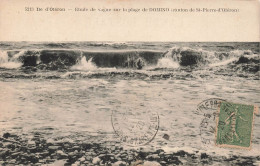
(167, 62)
(9, 63)
(223, 59)
(84, 65)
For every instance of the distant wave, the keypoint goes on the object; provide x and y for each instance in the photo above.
(65, 59)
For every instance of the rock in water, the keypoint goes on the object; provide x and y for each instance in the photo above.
(166, 136)
(139, 63)
(6, 135)
(242, 59)
(204, 156)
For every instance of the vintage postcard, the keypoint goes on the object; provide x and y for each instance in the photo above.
(129, 83)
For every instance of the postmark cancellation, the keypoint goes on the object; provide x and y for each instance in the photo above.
(135, 128)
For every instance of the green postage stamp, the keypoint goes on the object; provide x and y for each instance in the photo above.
(235, 125)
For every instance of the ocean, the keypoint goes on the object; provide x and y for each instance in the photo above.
(68, 92)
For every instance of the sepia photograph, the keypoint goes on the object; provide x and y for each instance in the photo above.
(129, 83)
(128, 103)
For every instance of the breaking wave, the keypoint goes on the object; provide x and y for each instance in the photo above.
(9, 63)
(84, 65)
(175, 57)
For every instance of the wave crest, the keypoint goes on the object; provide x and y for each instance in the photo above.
(175, 57)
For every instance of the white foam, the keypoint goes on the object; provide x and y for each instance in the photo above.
(240, 52)
(3, 56)
(166, 62)
(11, 63)
(69, 74)
(84, 65)
(223, 62)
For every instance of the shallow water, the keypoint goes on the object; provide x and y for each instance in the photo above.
(61, 107)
